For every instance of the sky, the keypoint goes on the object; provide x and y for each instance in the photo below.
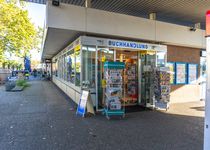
(37, 15)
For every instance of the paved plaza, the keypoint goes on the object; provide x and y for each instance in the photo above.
(43, 118)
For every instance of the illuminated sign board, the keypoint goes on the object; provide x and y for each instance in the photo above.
(131, 45)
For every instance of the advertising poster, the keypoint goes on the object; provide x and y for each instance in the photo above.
(172, 73)
(83, 102)
(180, 73)
(192, 73)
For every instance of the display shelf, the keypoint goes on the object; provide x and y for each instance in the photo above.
(113, 91)
(130, 83)
(162, 87)
(129, 104)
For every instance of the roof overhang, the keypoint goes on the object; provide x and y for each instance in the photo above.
(184, 12)
(56, 40)
(67, 22)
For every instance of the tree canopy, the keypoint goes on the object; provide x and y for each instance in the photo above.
(17, 34)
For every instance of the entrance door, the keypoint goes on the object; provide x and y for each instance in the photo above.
(130, 77)
(147, 61)
(103, 55)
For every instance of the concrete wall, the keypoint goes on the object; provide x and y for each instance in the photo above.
(4, 74)
(186, 92)
(68, 89)
(94, 21)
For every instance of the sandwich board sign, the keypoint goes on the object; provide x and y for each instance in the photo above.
(85, 103)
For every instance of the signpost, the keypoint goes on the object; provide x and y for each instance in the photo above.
(207, 102)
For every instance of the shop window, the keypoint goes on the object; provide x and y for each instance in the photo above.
(161, 58)
(62, 67)
(88, 66)
(65, 67)
(77, 67)
(55, 68)
(59, 67)
(70, 66)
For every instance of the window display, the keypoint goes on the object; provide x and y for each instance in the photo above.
(172, 72)
(181, 73)
(77, 67)
(65, 67)
(88, 66)
(71, 66)
(60, 67)
(192, 73)
(55, 68)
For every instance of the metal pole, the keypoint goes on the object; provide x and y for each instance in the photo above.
(96, 77)
(207, 102)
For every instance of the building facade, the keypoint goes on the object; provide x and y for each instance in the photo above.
(79, 40)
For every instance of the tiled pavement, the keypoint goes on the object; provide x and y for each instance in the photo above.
(41, 118)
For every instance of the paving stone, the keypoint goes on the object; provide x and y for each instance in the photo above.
(41, 118)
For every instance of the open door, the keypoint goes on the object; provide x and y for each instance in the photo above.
(103, 54)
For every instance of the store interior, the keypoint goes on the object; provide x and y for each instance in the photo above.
(137, 77)
(130, 76)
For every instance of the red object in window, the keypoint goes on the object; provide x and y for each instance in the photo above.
(208, 23)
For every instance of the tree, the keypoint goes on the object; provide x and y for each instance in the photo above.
(17, 34)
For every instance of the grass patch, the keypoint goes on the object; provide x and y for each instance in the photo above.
(22, 83)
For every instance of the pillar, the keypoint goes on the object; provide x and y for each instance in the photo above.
(87, 3)
(207, 102)
(152, 16)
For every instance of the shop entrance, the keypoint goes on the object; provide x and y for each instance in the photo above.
(147, 62)
(103, 54)
(137, 76)
(130, 76)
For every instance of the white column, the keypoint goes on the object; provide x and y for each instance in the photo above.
(207, 102)
(88, 3)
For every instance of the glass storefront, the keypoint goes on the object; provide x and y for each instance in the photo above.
(130, 76)
(84, 63)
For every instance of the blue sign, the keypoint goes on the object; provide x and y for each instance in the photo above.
(27, 63)
(125, 44)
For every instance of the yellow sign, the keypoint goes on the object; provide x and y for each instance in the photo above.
(147, 52)
(103, 59)
(77, 48)
(103, 83)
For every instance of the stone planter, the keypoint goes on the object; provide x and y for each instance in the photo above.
(10, 85)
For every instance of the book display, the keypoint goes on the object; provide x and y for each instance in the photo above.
(113, 89)
(130, 88)
(162, 87)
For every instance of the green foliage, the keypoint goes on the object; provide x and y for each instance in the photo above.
(17, 34)
(22, 83)
(12, 64)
